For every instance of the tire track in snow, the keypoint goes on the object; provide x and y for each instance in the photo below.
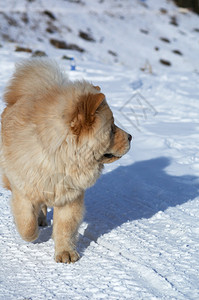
(149, 277)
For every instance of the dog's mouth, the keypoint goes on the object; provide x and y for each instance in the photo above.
(110, 155)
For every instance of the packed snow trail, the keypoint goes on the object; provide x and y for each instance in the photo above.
(139, 238)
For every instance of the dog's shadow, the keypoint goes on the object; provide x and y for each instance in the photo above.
(130, 193)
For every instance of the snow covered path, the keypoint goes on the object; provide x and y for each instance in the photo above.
(139, 239)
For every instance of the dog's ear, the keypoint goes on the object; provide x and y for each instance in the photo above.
(93, 102)
(86, 111)
(97, 88)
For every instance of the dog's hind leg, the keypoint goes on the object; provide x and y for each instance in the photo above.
(25, 216)
(6, 182)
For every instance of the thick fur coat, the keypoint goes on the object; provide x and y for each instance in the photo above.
(55, 137)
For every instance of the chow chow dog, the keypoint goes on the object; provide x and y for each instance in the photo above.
(55, 137)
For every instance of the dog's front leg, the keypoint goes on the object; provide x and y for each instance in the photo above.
(66, 221)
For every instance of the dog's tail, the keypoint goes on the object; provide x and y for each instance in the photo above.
(33, 78)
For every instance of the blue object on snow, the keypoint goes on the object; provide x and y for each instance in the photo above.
(136, 84)
(72, 64)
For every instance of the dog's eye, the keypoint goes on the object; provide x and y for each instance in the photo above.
(108, 155)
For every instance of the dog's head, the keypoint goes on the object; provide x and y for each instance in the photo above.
(93, 125)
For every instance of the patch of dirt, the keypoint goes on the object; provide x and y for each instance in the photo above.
(86, 36)
(165, 62)
(23, 49)
(51, 29)
(163, 11)
(144, 31)
(163, 39)
(63, 45)
(39, 53)
(25, 18)
(66, 57)
(49, 14)
(178, 52)
(112, 53)
(173, 21)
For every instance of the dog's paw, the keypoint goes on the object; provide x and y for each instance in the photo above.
(67, 257)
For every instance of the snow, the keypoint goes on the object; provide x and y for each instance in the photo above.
(139, 238)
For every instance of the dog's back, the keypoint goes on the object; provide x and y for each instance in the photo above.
(33, 78)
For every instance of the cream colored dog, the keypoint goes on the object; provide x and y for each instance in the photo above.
(55, 137)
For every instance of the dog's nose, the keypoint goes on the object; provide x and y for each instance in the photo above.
(129, 137)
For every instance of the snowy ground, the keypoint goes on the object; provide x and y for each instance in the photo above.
(140, 235)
